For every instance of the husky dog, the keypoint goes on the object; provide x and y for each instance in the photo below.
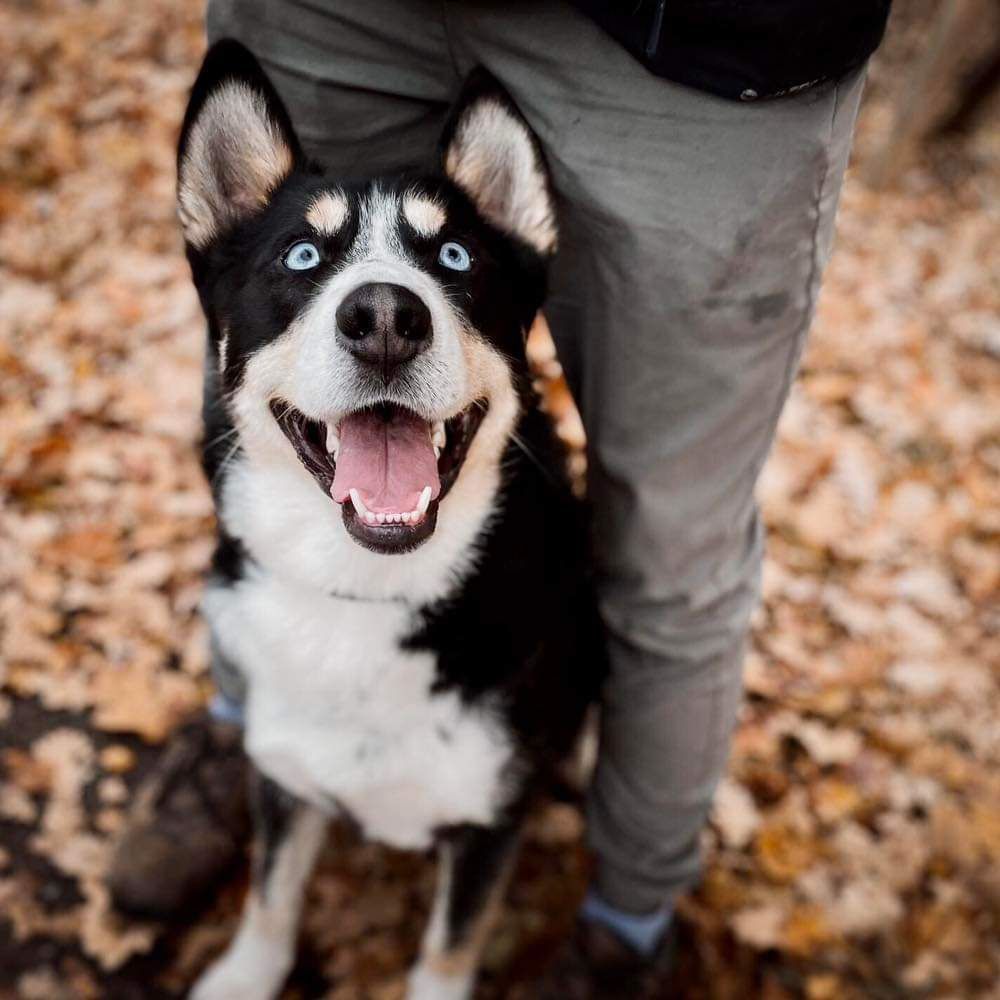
(400, 579)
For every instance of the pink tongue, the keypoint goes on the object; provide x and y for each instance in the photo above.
(388, 463)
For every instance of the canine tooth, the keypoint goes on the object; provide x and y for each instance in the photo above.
(359, 506)
(425, 501)
(437, 451)
(438, 436)
(332, 440)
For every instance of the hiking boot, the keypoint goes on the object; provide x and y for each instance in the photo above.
(596, 964)
(188, 824)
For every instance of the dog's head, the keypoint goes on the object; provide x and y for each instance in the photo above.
(373, 332)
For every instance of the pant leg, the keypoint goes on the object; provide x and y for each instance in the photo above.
(693, 232)
(368, 85)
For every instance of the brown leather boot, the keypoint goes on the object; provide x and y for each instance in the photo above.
(188, 824)
(595, 964)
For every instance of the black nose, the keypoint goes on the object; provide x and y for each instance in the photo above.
(384, 326)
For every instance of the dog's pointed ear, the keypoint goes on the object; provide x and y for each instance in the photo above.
(237, 144)
(491, 153)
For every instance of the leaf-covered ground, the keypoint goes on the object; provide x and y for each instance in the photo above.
(855, 847)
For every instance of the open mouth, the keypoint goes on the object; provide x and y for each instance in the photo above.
(386, 466)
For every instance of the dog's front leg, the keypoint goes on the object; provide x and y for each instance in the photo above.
(288, 834)
(473, 867)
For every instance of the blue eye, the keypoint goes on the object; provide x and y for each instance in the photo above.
(302, 257)
(455, 257)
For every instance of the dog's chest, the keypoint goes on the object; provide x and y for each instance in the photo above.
(341, 715)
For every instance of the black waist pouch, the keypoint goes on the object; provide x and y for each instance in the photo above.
(745, 49)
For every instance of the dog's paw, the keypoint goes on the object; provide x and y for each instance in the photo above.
(242, 974)
(425, 983)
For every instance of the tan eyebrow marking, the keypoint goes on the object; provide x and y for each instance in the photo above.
(328, 212)
(425, 214)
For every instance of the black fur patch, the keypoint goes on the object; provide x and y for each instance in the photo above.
(274, 810)
(479, 857)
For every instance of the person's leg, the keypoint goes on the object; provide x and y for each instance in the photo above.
(368, 87)
(693, 232)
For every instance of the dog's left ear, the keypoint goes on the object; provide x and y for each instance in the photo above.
(237, 144)
(491, 153)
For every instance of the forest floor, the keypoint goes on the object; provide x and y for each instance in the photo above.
(854, 849)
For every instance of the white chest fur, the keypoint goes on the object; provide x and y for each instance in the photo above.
(337, 712)
(341, 716)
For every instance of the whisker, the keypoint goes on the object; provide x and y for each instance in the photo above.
(284, 413)
(522, 444)
(220, 438)
(222, 465)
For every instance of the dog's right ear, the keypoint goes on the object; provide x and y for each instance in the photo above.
(237, 144)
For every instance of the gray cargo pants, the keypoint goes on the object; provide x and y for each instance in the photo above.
(693, 232)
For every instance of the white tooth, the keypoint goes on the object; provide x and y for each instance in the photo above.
(382, 518)
(425, 501)
(437, 451)
(332, 440)
(359, 507)
(438, 436)
(371, 518)
(406, 517)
